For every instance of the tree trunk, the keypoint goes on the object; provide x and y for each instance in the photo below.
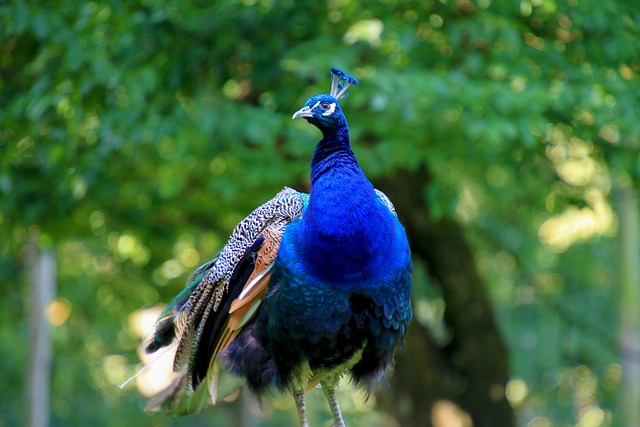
(471, 370)
(43, 278)
(629, 306)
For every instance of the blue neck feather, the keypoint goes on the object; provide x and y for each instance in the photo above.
(345, 227)
(331, 152)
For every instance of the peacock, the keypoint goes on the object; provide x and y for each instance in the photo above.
(309, 288)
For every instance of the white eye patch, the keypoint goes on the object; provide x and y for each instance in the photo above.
(332, 108)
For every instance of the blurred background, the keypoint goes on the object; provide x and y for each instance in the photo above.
(135, 134)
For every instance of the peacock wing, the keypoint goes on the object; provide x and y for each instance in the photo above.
(223, 295)
(386, 201)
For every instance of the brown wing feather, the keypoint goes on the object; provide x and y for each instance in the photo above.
(255, 287)
(229, 290)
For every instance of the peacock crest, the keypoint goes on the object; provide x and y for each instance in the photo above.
(340, 82)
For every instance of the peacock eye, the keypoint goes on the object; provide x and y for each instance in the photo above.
(325, 105)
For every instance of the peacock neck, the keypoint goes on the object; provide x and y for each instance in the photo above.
(335, 173)
(344, 222)
(332, 150)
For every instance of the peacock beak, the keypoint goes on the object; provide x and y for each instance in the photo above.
(303, 112)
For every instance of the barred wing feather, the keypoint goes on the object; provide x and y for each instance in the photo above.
(221, 296)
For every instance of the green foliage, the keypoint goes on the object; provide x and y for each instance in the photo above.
(135, 132)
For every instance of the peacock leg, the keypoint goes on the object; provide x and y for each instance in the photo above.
(330, 393)
(298, 395)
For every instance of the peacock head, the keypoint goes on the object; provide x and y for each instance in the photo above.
(323, 111)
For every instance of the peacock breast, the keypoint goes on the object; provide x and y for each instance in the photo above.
(346, 248)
